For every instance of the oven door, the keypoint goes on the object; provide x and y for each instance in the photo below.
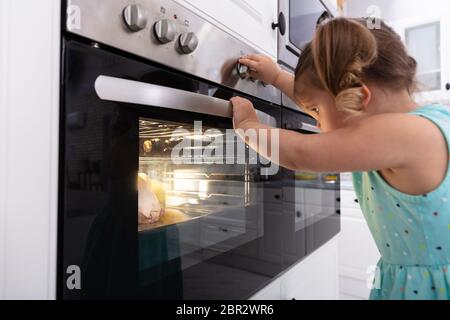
(313, 197)
(156, 200)
(301, 19)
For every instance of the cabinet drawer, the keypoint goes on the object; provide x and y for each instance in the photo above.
(272, 195)
(327, 198)
(357, 249)
(310, 196)
(298, 213)
(314, 214)
(349, 199)
(293, 194)
(216, 234)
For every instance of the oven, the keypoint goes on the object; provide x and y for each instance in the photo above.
(296, 24)
(158, 198)
(314, 198)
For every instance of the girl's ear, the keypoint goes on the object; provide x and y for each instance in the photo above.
(366, 96)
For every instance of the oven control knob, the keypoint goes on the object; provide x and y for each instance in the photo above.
(188, 42)
(135, 17)
(165, 31)
(242, 70)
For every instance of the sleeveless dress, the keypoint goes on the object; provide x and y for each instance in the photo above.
(412, 233)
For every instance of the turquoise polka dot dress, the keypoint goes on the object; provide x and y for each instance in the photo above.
(412, 233)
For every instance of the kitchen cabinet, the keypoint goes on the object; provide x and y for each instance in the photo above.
(248, 20)
(427, 41)
(29, 111)
(358, 253)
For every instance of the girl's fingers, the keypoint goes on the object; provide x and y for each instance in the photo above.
(253, 74)
(249, 63)
(235, 100)
(255, 57)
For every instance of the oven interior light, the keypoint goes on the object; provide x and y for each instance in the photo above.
(193, 201)
(196, 137)
(142, 175)
(184, 182)
(175, 201)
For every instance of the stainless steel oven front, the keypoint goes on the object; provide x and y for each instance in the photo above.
(296, 25)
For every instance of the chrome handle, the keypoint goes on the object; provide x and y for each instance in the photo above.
(128, 91)
(310, 127)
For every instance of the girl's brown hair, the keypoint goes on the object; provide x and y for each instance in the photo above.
(345, 53)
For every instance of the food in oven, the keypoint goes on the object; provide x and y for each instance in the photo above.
(151, 199)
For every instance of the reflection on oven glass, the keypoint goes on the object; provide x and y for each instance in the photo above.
(304, 17)
(317, 179)
(316, 197)
(170, 193)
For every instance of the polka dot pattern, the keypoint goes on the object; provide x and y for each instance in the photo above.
(412, 232)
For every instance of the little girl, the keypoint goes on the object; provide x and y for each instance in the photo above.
(357, 83)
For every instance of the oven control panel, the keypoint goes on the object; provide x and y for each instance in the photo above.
(168, 33)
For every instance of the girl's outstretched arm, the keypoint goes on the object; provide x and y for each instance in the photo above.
(378, 142)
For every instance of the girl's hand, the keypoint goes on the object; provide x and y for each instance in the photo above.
(262, 68)
(243, 112)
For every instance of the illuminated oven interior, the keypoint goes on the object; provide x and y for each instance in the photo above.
(171, 193)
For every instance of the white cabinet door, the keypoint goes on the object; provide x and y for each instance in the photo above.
(248, 20)
(358, 255)
(426, 39)
(358, 252)
(315, 278)
(349, 199)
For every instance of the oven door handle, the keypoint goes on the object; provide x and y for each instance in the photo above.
(127, 91)
(309, 127)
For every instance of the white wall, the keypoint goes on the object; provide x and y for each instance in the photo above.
(29, 126)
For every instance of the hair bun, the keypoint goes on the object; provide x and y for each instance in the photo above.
(349, 80)
(412, 63)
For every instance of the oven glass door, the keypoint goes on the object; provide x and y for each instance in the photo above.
(304, 16)
(313, 197)
(158, 199)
